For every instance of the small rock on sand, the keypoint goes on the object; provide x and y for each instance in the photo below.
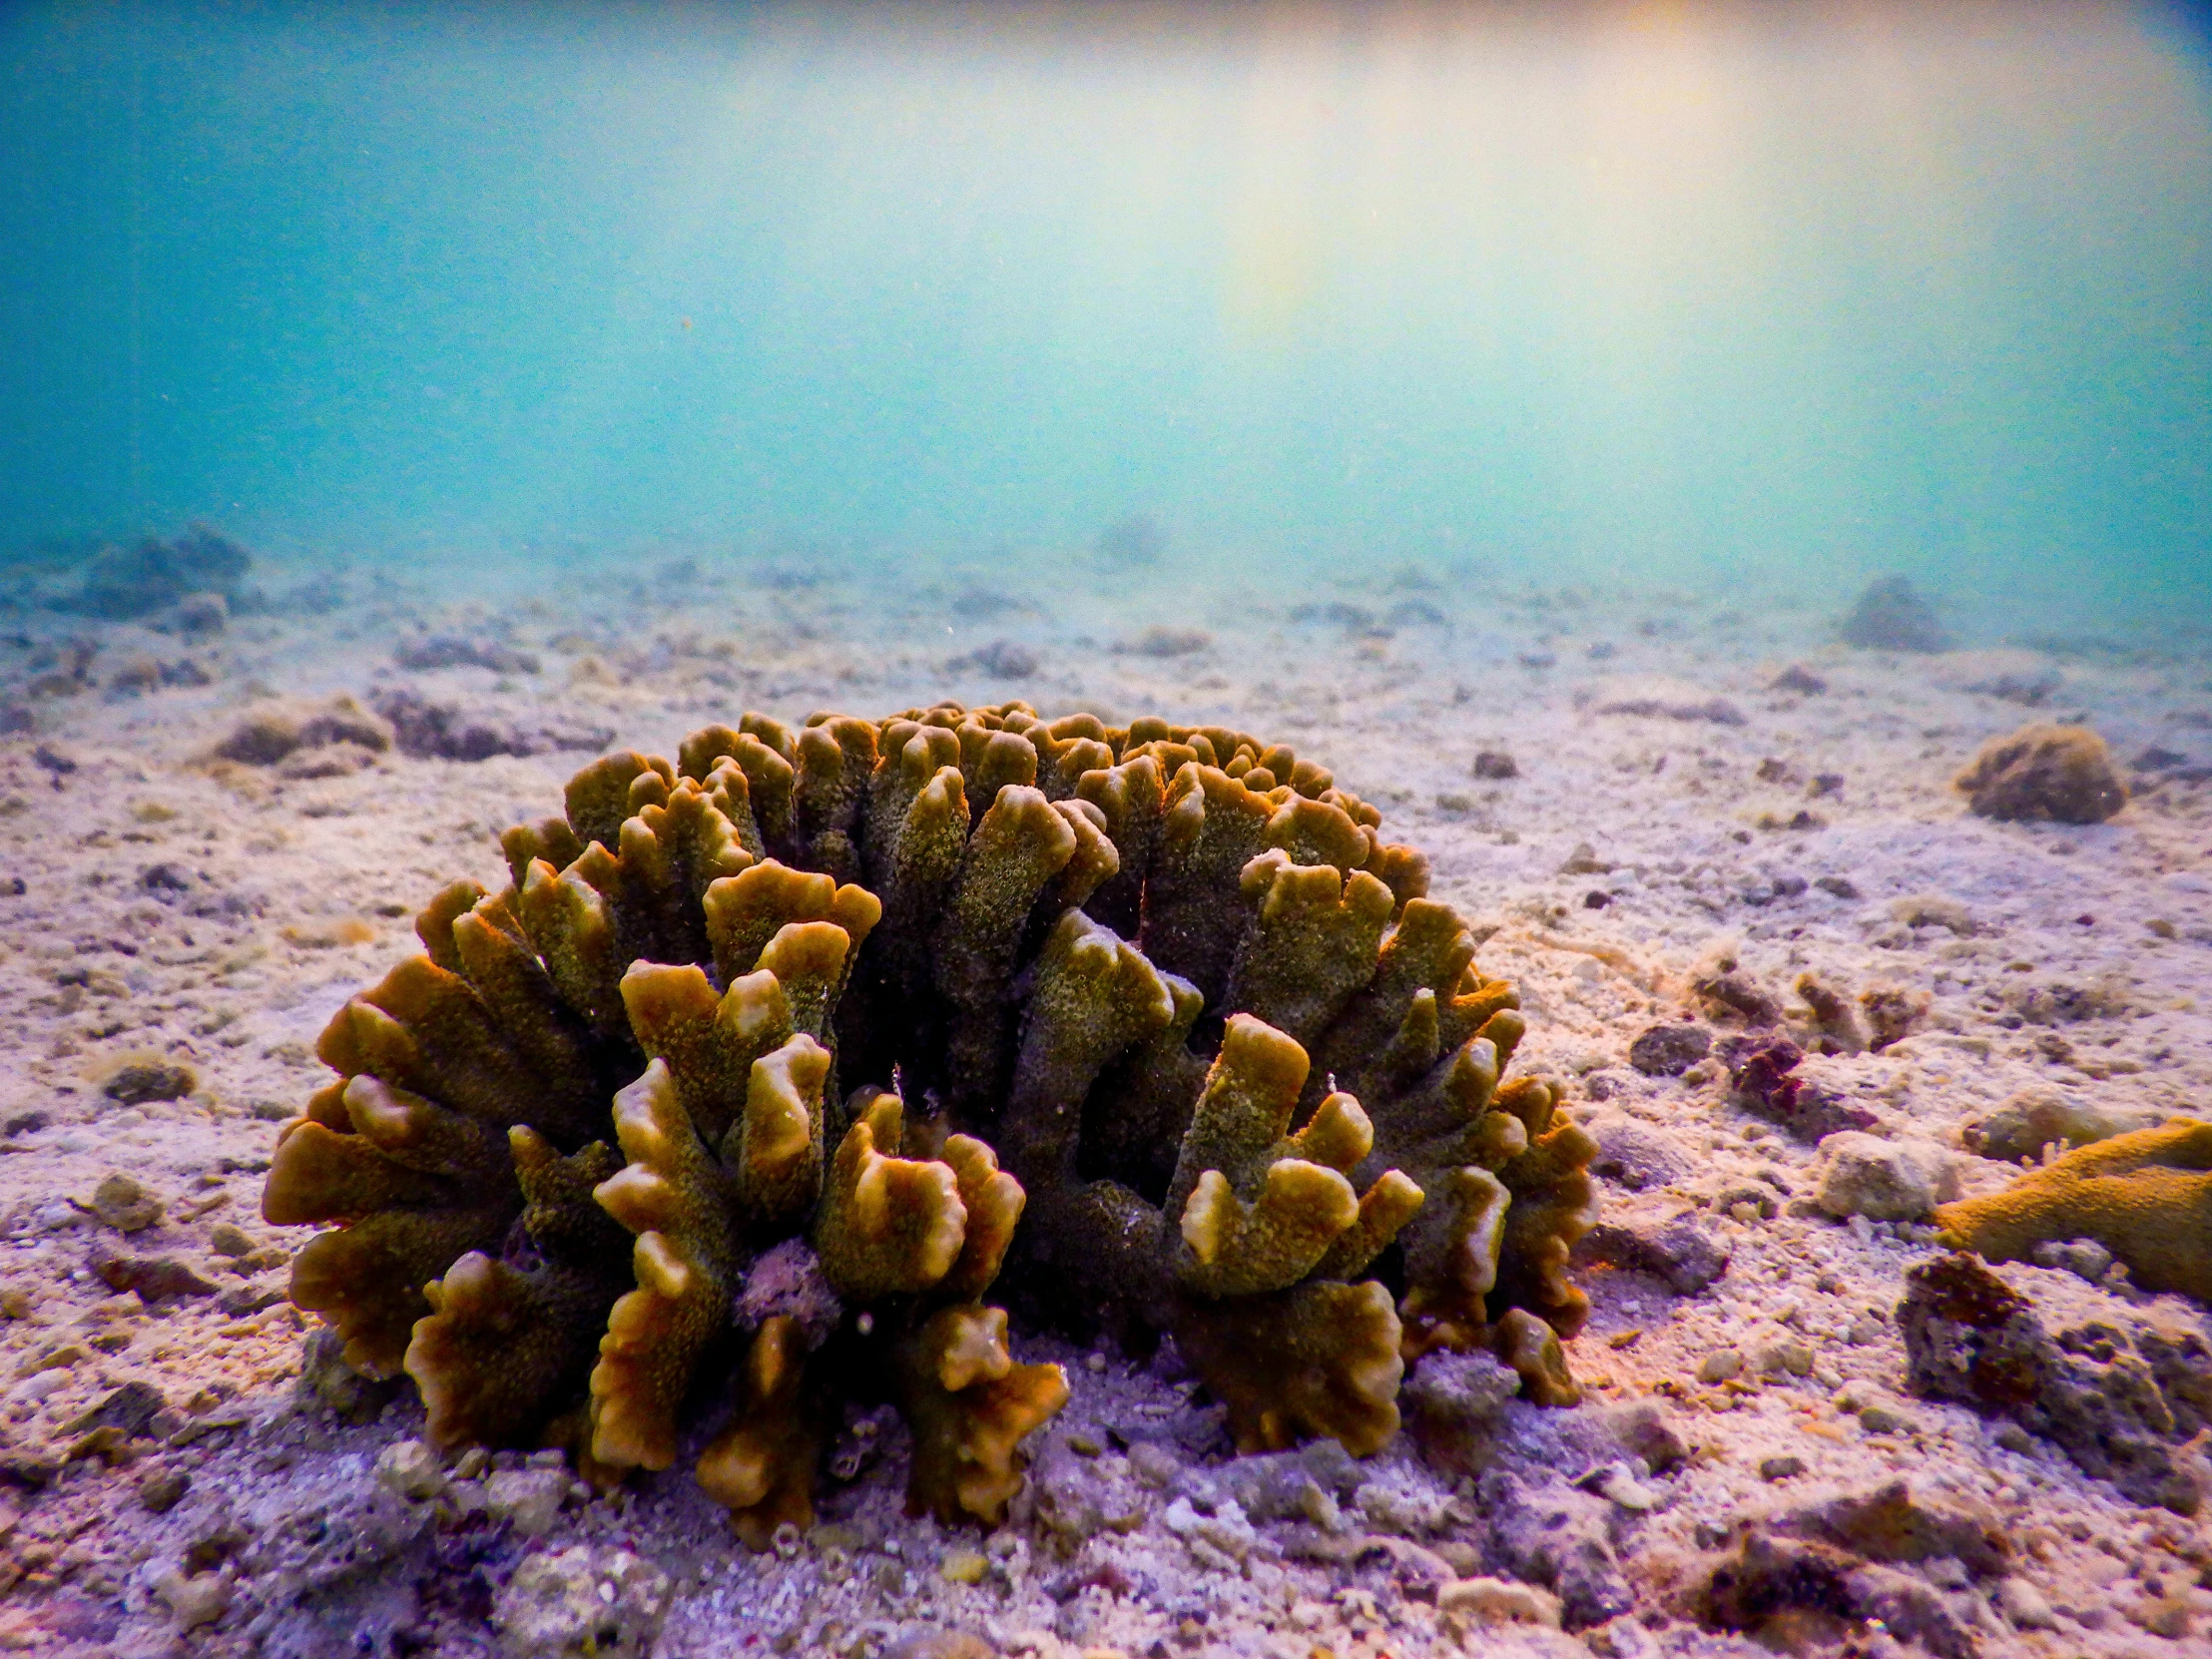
(2044, 773)
(1891, 615)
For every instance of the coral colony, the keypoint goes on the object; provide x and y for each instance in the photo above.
(772, 1063)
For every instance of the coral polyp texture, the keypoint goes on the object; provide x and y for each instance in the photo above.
(713, 1098)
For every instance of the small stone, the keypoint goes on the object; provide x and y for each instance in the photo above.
(1618, 1484)
(1152, 1463)
(1891, 615)
(1800, 679)
(1883, 1418)
(153, 1277)
(963, 1567)
(529, 1500)
(2023, 1605)
(1669, 1050)
(1795, 1357)
(1495, 764)
(938, 1644)
(161, 1489)
(143, 1081)
(324, 1374)
(1782, 1468)
(410, 1468)
(1865, 1175)
(582, 1603)
(1498, 1601)
(2166, 1616)
(129, 1410)
(1681, 1250)
(195, 1599)
(121, 1203)
(229, 1239)
(1720, 1366)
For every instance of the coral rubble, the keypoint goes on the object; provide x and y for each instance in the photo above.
(2059, 774)
(2124, 1390)
(721, 1084)
(2145, 1196)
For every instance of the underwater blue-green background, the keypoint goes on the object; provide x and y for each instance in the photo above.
(1671, 292)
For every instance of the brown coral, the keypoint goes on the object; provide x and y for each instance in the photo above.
(2043, 771)
(619, 1117)
(2146, 1196)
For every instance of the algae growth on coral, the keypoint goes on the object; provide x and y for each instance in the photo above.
(715, 1098)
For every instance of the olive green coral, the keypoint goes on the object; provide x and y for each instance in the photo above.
(2146, 1196)
(714, 1086)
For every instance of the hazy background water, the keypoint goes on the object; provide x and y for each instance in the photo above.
(1611, 293)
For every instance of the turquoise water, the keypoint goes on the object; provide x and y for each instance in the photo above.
(1608, 292)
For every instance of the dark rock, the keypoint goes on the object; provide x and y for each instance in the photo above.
(1285, 1485)
(153, 1277)
(131, 1409)
(1643, 1430)
(1679, 1249)
(25, 1123)
(1782, 1468)
(1669, 1050)
(27, 1471)
(1633, 1154)
(244, 1301)
(1800, 679)
(324, 1376)
(1714, 710)
(1456, 1403)
(1002, 659)
(1556, 1537)
(1496, 765)
(1762, 1073)
(1891, 615)
(201, 616)
(446, 731)
(149, 1080)
(1727, 991)
(1157, 641)
(1131, 544)
(2121, 1389)
(1837, 887)
(126, 583)
(163, 1489)
(1893, 1522)
(1771, 1578)
(53, 761)
(2029, 690)
(460, 651)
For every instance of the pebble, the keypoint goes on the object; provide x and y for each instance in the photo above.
(582, 1603)
(195, 1599)
(149, 1080)
(1782, 1468)
(123, 1203)
(229, 1239)
(963, 1567)
(1721, 1366)
(160, 1490)
(1498, 1601)
(1669, 1050)
(529, 1500)
(1882, 1179)
(2023, 1605)
(410, 1468)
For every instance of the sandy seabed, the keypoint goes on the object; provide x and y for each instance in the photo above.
(1671, 806)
